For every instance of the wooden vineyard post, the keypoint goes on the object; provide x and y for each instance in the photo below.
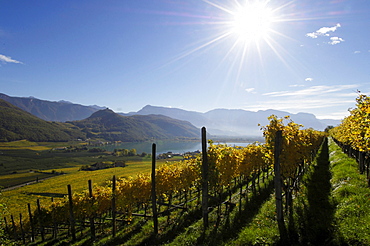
(92, 225)
(22, 231)
(154, 195)
(31, 222)
(40, 220)
(6, 225)
(277, 181)
(71, 215)
(14, 228)
(55, 225)
(361, 160)
(114, 212)
(204, 179)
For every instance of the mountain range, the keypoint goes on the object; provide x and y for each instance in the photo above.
(52, 111)
(219, 122)
(17, 124)
(235, 122)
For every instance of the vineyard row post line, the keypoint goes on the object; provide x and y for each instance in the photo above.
(278, 186)
(92, 225)
(114, 212)
(71, 215)
(154, 195)
(204, 178)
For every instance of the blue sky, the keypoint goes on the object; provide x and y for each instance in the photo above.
(312, 57)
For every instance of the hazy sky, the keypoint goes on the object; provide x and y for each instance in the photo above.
(296, 56)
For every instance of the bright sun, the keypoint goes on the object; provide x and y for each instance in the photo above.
(245, 26)
(252, 21)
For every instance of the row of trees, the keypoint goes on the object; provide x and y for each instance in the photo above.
(128, 152)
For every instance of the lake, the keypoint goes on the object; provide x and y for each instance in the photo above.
(163, 146)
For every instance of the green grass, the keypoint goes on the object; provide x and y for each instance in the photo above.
(332, 207)
(233, 220)
(352, 196)
(16, 200)
(21, 178)
(25, 144)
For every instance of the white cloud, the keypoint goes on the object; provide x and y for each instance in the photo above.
(311, 35)
(308, 79)
(297, 85)
(357, 52)
(335, 40)
(323, 31)
(8, 59)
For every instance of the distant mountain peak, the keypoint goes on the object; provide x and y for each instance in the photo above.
(63, 101)
(102, 113)
(51, 111)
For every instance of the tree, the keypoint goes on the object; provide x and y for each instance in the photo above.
(132, 152)
(328, 128)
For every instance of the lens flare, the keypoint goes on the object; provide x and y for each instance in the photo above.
(252, 21)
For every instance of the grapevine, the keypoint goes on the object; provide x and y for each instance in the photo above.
(355, 128)
(227, 165)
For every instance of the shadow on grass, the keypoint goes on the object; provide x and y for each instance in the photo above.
(184, 220)
(316, 218)
(227, 227)
(232, 226)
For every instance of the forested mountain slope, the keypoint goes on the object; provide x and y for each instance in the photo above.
(16, 124)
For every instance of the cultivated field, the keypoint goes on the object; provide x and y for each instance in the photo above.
(52, 171)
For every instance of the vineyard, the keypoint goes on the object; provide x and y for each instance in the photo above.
(211, 184)
(353, 135)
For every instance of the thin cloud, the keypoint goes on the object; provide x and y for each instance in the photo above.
(314, 99)
(323, 31)
(312, 91)
(333, 116)
(8, 59)
(300, 104)
(357, 52)
(250, 90)
(308, 79)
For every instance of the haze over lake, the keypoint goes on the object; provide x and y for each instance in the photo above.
(163, 146)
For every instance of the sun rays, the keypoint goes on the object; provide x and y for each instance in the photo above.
(246, 28)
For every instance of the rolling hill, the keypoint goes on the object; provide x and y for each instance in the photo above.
(108, 125)
(16, 124)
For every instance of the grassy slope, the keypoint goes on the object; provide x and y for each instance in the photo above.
(352, 197)
(332, 207)
(17, 124)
